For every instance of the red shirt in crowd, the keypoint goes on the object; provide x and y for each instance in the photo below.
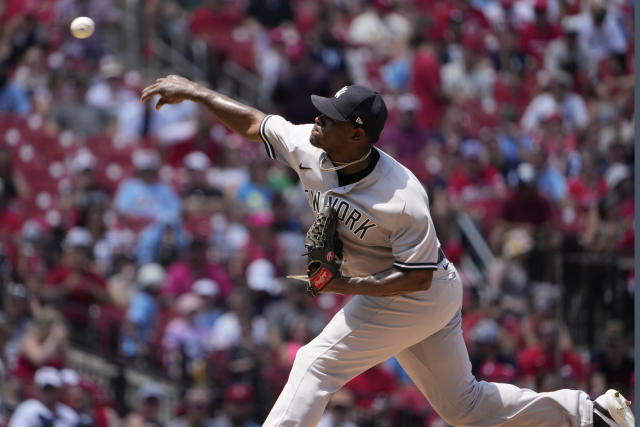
(536, 361)
(180, 277)
(427, 87)
(534, 39)
(371, 384)
(75, 306)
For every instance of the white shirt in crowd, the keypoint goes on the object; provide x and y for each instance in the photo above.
(33, 413)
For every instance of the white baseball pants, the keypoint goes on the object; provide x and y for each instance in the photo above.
(423, 330)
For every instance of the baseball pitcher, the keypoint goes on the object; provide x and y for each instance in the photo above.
(374, 238)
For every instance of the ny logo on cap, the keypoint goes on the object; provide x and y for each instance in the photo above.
(340, 92)
(359, 121)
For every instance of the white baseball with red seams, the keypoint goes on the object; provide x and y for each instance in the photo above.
(384, 222)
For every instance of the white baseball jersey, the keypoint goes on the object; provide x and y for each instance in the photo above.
(384, 218)
(385, 222)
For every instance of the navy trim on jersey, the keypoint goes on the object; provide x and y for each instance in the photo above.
(267, 145)
(416, 265)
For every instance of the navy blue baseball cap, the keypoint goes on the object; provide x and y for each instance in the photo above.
(355, 104)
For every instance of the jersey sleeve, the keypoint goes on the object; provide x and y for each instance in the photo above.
(282, 138)
(414, 243)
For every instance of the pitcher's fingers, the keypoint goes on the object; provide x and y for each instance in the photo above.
(160, 103)
(148, 92)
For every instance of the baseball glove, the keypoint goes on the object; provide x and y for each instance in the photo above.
(324, 250)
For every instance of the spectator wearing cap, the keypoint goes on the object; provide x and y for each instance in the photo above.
(535, 35)
(85, 191)
(209, 292)
(198, 196)
(75, 284)
(262, 280)
(526, 205)
(198, 404)
(144, 196)
(489, 362)
(146, 413)
(557, 97)
(611, 366)
(140, 319)
(238, 407)
(46, 409)
(44, 343)
(183, 342)
(195, 265)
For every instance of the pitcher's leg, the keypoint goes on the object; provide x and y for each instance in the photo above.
(366, 332)
(347, 346)
(440, 367)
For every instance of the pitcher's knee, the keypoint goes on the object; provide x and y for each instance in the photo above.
(311, 361)
(461, 407)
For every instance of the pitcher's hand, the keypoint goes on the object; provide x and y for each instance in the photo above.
(171, 89)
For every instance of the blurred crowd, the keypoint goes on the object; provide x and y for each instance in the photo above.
(160, 241)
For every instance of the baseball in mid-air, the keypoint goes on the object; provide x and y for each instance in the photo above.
(82, 27)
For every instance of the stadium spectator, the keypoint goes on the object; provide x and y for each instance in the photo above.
(489, 361)
(282, 313)
(198, 405)
(209, 292)
(146, 414)
(75, 284)
(161, 242)
(340, 410)
(87, 399)
(10, 397)
(196, 265)
(516, 112)
(141, 317)
(535, 36)
(611, 365)
(238, 407)
(15, 320)
(183, 342)
(536, 362)
(557, 99)
(46, 408)
(144, 198)
(525, 205)
(44, 343)
(237, 323)
(600, 31)
(13, 97)
(426, 83)
(198, 195)
(85, 190)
